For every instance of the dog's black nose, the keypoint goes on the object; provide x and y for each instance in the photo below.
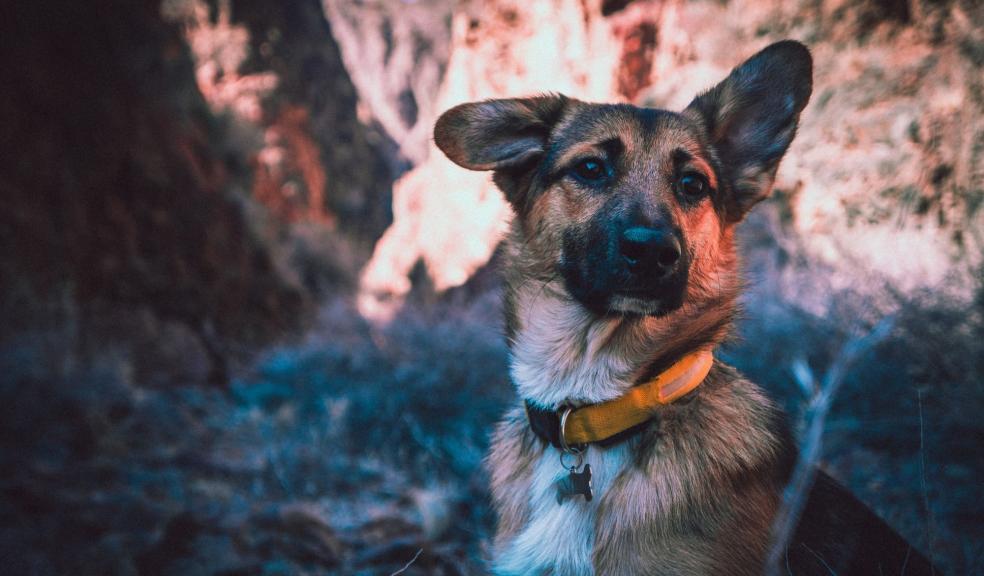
(650, 250)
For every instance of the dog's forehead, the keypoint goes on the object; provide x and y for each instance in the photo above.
(650, 131)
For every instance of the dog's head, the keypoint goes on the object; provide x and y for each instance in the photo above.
(632, 207)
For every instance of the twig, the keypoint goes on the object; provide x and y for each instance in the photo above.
(408, 564)
(821, 397)
(925, 492)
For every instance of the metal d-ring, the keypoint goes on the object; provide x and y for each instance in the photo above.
(565, 448)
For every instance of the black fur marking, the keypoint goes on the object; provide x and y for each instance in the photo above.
(839, 534)
(681, 157)
(614, 148)
(651, 119)
(585, 269)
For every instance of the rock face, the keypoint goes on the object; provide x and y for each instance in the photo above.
(449, 219)
(120, 188)
(883, 182)
(275, 69)
(888, 157)
(184, 181)
(179, 163)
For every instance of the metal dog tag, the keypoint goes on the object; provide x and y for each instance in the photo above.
(574, 484)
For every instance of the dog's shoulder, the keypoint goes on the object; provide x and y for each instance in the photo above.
(730, 425)
(710, 468)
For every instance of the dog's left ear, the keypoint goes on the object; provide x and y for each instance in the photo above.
(507, 136)
(750, 119)
(498, 134)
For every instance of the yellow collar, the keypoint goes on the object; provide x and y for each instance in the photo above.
(598, 422)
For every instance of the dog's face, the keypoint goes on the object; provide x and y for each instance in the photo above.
(631, 207)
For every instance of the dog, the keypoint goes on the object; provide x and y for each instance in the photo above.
(632, 450)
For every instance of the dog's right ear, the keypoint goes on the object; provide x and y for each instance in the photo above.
(500, 135)
(750, 119)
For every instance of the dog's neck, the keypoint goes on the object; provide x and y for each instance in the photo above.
(562, 353)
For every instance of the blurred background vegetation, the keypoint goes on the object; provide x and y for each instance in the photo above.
(250, 321)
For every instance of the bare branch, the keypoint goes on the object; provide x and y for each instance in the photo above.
(822, 397)
(408, 564)
(804, 377)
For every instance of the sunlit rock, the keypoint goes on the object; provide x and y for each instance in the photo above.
(880, 188)
(444, 216)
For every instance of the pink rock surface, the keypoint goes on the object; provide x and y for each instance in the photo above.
(882, 182)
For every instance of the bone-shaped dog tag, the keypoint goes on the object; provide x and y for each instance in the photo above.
(574, 484)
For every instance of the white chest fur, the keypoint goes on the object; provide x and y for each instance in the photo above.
(560, 536)
(564, 354)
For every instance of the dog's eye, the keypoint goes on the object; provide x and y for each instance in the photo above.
(692, 185)
(591, 170)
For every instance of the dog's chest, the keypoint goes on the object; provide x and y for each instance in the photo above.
(561, 355)
(559, 537)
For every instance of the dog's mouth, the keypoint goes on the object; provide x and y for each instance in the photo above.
(640, 293)
(656, 300)
(643, 294)
(645, 302)
(625, 304)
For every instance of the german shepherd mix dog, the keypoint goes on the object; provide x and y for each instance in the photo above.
(633, 451)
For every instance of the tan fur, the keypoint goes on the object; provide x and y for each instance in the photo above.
(694, 491)
(702, 473)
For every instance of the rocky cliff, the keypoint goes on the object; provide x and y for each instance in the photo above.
(884, 180)
(244, 193)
